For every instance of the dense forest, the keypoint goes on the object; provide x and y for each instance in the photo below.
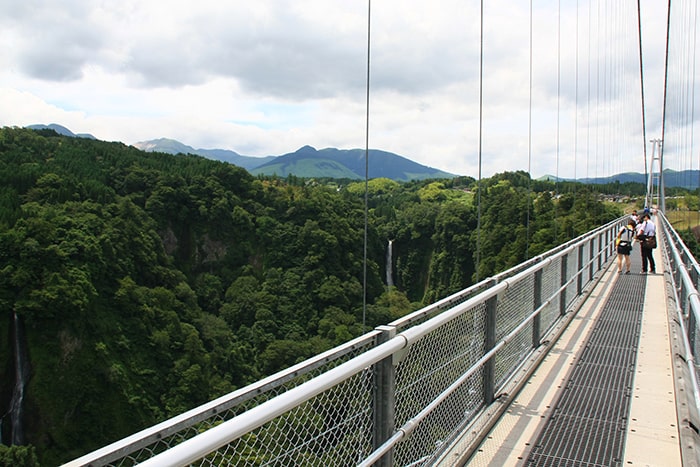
(145, 284)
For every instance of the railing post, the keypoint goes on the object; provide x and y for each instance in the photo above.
(591, 253)
(579, 282)
(489, 343)
(692, 329)
(564, 279)
(694, 277)
(536, 304)
(682, 292)
(384, 397)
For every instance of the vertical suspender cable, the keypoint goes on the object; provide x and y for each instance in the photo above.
(556, 179)
(364, 259)
(606, 108)
(529, 150)
(597, 94)
(620, 145)
(481, 114)
(588, 95)
(641, 81)
(691, 86)
(692, 53)
(576, 112)
(687, 155)
(692, 98)
(662, 203)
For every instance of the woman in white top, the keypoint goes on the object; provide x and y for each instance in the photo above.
(624, 247)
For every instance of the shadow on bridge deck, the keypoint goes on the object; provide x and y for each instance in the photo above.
(604, 395)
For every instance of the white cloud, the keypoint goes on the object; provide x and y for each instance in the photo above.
(270, 76)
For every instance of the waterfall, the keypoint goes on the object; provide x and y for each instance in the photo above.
(16, 435)
(389, 265)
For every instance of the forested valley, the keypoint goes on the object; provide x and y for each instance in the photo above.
(145, 284)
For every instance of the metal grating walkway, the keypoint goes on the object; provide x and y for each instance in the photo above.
(604, 393)
(588, 423)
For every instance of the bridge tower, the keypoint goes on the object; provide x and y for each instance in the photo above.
(656, 178)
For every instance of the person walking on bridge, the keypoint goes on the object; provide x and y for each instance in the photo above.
(647, 242)
(623, 241)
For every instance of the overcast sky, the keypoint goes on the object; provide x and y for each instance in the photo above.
(265, 77)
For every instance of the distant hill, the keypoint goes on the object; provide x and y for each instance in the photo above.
(61, 130)
(689, 179)
(348, 163)
(171, 146)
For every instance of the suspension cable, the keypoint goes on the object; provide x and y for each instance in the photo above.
(364, 259)
(692, 99)
(641, 81)
(481, 114)
(662, 204)
(529, 151)
(576, 112)
(556, 179)
(588, 96)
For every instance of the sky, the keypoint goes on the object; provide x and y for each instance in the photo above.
(266, 77)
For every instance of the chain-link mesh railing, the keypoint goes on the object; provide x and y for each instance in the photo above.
(684, 273)
(159, 438)
(398, 395)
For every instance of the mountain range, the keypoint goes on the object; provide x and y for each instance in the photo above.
(309, 162)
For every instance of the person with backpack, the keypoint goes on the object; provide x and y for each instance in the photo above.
(623, 241)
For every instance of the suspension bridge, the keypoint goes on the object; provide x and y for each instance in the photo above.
(560, 360)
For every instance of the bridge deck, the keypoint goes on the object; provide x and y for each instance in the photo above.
(649, 422)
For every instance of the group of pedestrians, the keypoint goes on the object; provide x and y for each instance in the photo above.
(642, 230)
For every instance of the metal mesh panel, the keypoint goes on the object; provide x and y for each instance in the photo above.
(430, 366)
(334, 428)
(551, 282)
(238, 405)
(572, 268)
(441, 425)
(585, 258)
(515, 305)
